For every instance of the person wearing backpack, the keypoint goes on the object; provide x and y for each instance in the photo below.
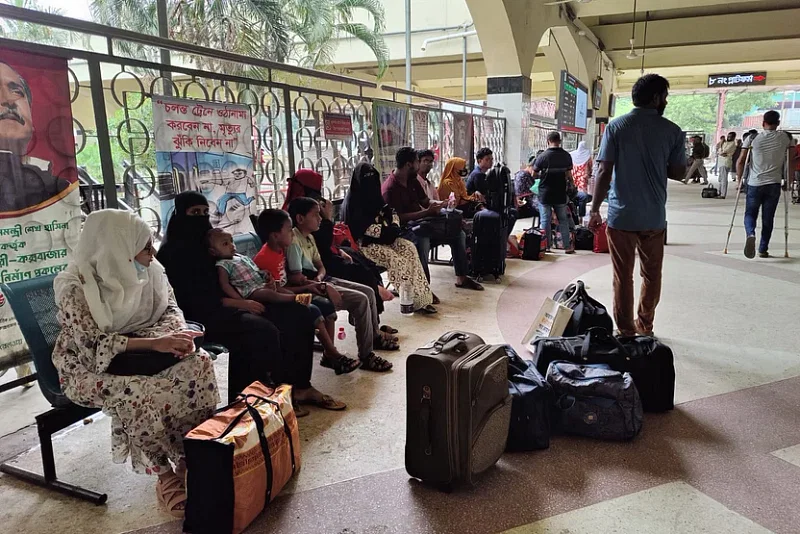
(553, 169)
(700, 152)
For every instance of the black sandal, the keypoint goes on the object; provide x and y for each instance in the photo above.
(342, 365)
(469, 283)
(376, 363)
(385, 343)
(389, 330)
(428, 310)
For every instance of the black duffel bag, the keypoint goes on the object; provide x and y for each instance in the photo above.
(586, 312)
(439, 228)
(531, 406)
(649, 362)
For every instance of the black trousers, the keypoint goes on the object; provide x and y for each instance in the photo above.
(276, 347)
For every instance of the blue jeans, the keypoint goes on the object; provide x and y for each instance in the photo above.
(766, 198)
(546, 214)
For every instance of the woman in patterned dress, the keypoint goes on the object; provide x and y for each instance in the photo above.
(124, 347)
(377, 227)
(581, 175)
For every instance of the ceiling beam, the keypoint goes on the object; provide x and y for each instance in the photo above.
(614, 7)
(716, 29)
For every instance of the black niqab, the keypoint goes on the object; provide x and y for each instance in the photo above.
(364, 201)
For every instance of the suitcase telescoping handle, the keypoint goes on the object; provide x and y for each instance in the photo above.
(450, 342)
(599, 335)
(425, 419)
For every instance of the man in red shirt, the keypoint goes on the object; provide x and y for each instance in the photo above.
(403, 192)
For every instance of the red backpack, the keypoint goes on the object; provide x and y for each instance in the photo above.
(342, 238)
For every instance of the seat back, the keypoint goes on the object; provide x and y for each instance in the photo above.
(247, 244)
(34, 306)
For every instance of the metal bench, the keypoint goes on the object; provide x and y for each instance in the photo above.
(33, 302)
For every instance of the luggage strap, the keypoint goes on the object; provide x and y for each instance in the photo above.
(595, 334)
(425, 419)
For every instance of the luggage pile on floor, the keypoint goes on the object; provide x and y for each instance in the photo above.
(469, 401)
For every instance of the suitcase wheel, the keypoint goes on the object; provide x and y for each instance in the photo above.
(497, 279)
(479, 278)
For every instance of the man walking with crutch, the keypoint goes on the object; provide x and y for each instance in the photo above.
(767, 165)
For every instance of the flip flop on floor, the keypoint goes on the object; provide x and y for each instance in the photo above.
(389, 330)
(326, 403)
(469, 283)
(427, 310)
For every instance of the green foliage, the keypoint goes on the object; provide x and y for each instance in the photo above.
(698, 112)
(89, 157)
(300, 31)
(25, 31)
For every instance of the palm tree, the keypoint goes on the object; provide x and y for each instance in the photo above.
(298, 31)
(34, 33)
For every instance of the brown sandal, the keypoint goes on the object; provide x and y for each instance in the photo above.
(326, 403)
(171, 494)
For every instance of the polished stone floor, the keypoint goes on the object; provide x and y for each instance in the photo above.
(727, 459)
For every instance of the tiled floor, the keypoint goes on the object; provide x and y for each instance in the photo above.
(726, 460)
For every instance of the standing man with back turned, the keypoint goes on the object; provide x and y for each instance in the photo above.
(639, 151)
(770, 148)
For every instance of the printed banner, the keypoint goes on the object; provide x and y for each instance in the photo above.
(40, 216)
(207, 147)
(419, 119)
(462, 136)
(390, 127)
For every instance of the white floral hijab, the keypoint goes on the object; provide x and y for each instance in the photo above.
(121, 299)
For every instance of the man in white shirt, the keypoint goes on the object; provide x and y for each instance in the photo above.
(725, 159)
(426, 159)
(767, 163)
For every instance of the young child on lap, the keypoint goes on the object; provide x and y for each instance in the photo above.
(240, 278)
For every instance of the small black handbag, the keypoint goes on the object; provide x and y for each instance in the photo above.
(709, 192)
(586, 312)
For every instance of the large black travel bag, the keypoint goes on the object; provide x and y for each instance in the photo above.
(500, 190)
(488, 245)
(458, 409)
(595, 401)
(532, 402)
(586, 312)
(649, 362)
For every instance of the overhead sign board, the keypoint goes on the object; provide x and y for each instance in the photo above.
(573, 104)
(737, 79)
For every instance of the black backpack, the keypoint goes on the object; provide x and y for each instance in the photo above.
(499, 190)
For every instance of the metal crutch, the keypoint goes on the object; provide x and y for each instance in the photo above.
(786, 194)
(738, 194)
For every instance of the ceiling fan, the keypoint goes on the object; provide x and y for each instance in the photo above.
(632, 53)
(559, 2)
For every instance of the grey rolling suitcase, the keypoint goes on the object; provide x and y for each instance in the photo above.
(458, 409)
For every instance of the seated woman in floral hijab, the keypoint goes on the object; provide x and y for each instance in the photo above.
(125, 347)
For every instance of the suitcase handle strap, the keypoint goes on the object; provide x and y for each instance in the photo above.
(262, 439)
(425, 419)
(286, 428)
(600, 335)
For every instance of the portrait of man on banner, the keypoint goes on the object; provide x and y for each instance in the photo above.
(37, 145)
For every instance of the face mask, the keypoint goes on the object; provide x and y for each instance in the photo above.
(140, 269)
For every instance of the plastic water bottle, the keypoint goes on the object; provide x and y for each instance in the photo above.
(451, 202)
(341, 334)
(406, 298)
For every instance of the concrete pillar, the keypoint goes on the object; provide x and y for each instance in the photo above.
(513, 94)
(509, 32)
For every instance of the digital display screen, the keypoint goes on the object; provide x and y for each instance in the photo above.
(573, 104)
